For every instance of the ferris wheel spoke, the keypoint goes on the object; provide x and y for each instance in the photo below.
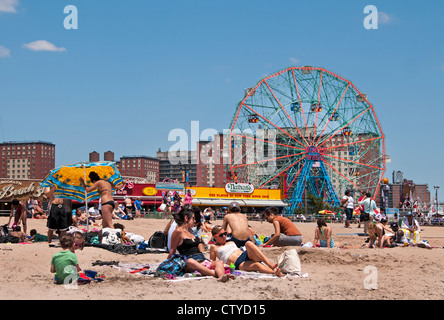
(317, 108)
(295, 176)
(333, 113)
(282, 171)
(282, 107)
(341, 174)
(300, 104)
(277, 127)
(267, 160)
(267, 141)
(355, 162)
(344, 126)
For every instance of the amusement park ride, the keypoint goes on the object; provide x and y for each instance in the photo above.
(319, 132)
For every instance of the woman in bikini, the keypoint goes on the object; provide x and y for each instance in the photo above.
(250, 259)
(187, 244)
(105, 190)
(323, 234)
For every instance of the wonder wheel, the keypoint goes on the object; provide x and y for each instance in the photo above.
(307, 129)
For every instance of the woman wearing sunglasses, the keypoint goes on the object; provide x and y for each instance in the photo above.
(249, 259)
(187, 244)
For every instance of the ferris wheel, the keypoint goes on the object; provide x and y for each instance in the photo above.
(307, 129)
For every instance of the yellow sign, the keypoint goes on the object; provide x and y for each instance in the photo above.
(220, 193)
(149, 191)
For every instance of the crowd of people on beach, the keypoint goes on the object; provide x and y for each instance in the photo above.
(191, 232)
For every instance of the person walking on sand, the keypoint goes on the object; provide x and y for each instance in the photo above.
(347, 203)
(368, 206)
(58, 219)
(236, 224)
(106, 196)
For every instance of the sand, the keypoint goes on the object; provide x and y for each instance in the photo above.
(402, 273)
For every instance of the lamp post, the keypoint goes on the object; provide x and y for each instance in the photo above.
(436, 197)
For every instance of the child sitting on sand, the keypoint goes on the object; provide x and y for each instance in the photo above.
(64, 263)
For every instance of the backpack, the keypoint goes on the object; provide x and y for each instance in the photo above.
(174, 266)
(158, 240)
(4, 231)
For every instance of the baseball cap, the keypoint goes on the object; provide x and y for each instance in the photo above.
(234, 205)
(393, 225)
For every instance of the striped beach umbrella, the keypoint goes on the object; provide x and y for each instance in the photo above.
(66, 179)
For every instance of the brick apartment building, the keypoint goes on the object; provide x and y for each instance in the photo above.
(211, 170)
(132, 166)
(26, 159)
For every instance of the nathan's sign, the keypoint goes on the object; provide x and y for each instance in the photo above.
(239, 188)
(20, 189)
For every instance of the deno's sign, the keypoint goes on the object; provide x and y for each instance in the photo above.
(239, 188)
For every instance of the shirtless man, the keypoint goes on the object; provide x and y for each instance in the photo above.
(79, 218)
(19, 215)
(236, 225)
(19, 234)
(58, 219)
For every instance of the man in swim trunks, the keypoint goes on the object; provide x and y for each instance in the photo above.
(236, 225)
(58, 218)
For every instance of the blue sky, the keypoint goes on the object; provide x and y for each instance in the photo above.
(135, 70)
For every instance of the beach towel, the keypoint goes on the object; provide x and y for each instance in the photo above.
(149, 270)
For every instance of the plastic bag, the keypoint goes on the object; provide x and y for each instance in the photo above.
(289, 262)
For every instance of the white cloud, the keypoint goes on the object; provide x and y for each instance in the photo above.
(43, 45)
(384, 18)
(5, 52)
(8, 6)
(294, 60)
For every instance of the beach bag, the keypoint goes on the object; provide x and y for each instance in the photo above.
(162, 207)
(158, 240)
(4, 231)
(111, 236)
(289, 262)
(364, 216)
(174, 266)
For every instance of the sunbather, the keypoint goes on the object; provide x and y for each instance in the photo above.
(187, 244)
(249, 259)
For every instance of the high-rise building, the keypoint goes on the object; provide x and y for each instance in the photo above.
(172, 165)
(26, 159)
(211, 169)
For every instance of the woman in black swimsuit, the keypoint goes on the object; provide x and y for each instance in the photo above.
(187, 244)
(105, 190)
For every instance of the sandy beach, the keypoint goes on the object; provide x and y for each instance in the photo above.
(402, 273)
